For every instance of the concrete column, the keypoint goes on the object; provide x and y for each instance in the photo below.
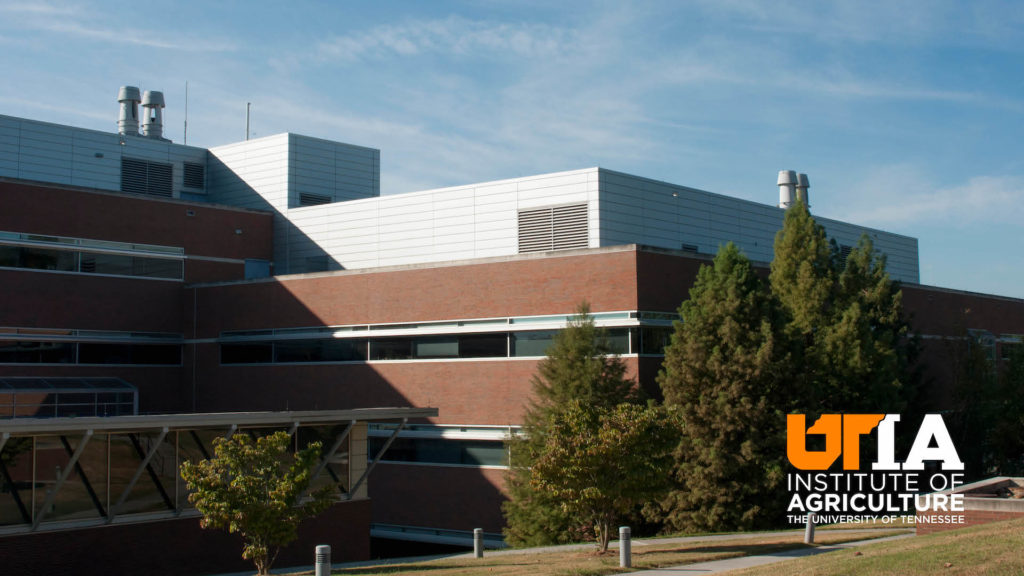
(478, 542)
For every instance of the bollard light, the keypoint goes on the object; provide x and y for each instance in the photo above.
(478, 542)
(625, 548)
(323, 560)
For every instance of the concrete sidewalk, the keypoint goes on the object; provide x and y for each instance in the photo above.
(719, 566)
(700, 568)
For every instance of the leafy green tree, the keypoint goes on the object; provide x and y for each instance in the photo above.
(600, 464)
(579, 366)
(253, 488)
(723, 372)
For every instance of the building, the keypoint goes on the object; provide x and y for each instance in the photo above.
(271, 275)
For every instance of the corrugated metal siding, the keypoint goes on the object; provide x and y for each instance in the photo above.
(641, 211)
(58, 154)
(436, 225)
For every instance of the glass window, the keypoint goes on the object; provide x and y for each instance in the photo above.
(143, 354)
(616, 340)
(37, 353)
(320, 350)
(532, 343)
(247, 353)
(654, 339)
(37, 258)
(483, 345)
(442, 451)
(436, 347)
(391, 349)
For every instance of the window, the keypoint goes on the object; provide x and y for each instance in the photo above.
(74, 255)
(442, 451)
(323, 350)
(247, 353)
(134, 354)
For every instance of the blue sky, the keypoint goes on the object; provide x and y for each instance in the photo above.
(907, 116)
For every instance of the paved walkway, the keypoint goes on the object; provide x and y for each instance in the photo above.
(719, 566)
(712, 567)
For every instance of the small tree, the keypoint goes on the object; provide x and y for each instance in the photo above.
(253, 488)
(600, 464)
(579, 366)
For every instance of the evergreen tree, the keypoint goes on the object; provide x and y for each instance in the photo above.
(579, 366)
(843, 319)
(723, 372)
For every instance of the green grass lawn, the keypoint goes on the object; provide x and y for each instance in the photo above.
(649, 554)
(996, 549)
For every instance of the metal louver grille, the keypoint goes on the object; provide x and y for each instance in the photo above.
(313, 199)
(142, 177)
(195, 176)
(553, 228)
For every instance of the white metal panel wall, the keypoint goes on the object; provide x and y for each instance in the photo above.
(251, 174)
(635, 210)
(473, 221)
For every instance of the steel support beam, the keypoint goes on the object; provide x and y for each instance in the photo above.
(138, 474)
(377, 458)
(63, 478)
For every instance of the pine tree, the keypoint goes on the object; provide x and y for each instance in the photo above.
(844, 322)
(579, 366)
(723, 372)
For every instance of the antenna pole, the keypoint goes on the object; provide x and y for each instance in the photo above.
(186, 113)
(247, 106)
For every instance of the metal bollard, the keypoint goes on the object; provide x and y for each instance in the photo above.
(625, 548)
(809, 531)
(323, 560)
(478, 542)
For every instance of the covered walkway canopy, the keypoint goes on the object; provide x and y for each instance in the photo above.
(60, 473)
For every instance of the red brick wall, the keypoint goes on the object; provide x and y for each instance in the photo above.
(201, 229)
(533, 286)
(175, 547)
(439, 497)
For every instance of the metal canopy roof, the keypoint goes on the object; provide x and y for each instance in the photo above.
(38, 426)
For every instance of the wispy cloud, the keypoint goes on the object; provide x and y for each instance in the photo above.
(70, 21)
(902, 195)
(453, 36)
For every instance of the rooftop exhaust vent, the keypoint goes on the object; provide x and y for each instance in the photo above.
(787, 188)
(153, 115)
(128, 120)
(792, 188)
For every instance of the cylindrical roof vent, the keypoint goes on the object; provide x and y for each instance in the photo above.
(787, 187)
(153, 115)
(802, 184)
(128, 119)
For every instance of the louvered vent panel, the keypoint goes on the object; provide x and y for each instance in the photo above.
(142, 177)
(195, 176)
(161, 180)
(313, 199)
(133, 176)
(554, 228)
